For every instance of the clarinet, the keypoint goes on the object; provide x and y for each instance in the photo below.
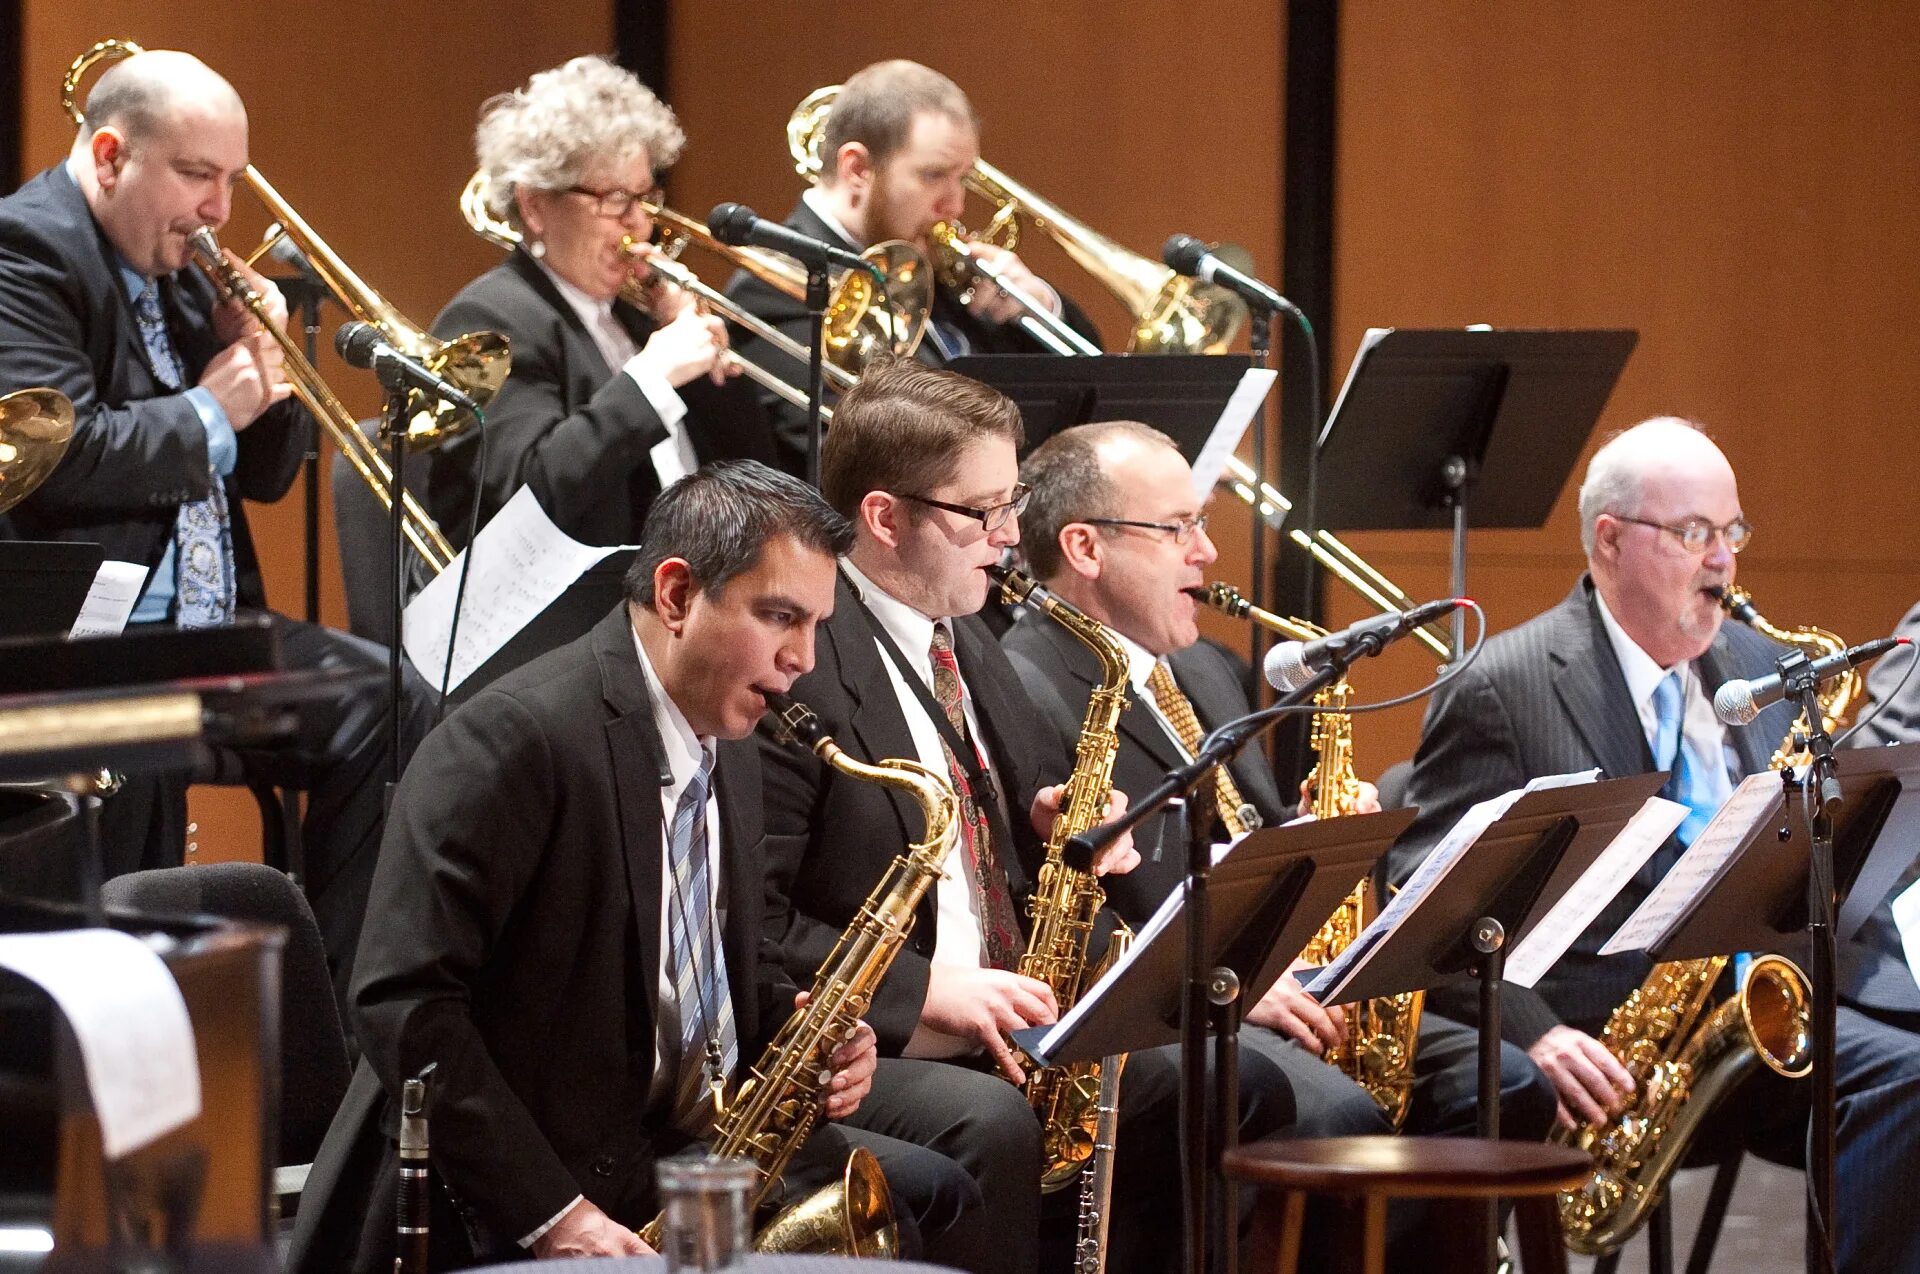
(411, 1225)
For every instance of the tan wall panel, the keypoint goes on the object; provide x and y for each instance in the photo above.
(1735, 181)
(362, 115)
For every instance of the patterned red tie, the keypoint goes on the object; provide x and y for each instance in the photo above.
(999, 927)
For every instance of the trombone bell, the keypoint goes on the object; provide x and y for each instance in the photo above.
(35, 427)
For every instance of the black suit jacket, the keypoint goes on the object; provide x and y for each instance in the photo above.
(789, 314)
(568, 425)
(1548, 697)
(831, 838)
(1060, 674)
(139, 450)
(513, 938)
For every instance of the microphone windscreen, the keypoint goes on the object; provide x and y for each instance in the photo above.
(731, 222)
(1183, 253)
(355, 342)
(1286, 666)
(1733, 703)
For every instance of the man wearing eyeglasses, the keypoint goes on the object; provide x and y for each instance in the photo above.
(1621, 675)
(923, 462)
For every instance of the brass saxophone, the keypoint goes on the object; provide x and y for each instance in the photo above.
(1382, 1033)
(1683, 1056)
(1065, 901)
(777, 1104)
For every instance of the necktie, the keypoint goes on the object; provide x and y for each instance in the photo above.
(707, 1038)
(1235, 814)
(1689, 781)
(999, 928)
(203, 536)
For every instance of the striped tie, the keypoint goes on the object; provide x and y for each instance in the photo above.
(699, 964)
(203, 535)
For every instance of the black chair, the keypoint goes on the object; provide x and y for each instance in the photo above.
(364, 530)
(313, 1046)
(1726, 1175)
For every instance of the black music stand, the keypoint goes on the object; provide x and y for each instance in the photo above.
(1265, 900)
(1760, 900)
(43, 585)
(1427, 419)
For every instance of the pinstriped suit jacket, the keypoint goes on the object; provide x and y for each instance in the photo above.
(1548, 697)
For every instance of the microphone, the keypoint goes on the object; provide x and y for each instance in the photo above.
(1738, 702)
(1190, 256)
(742, 227)
(1292, 664)
(363, 345)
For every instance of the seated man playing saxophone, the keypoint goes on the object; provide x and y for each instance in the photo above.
(1621, 676)
(570, 920)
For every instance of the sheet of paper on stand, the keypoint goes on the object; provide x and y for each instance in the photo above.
(1906, 918)
(521, 565)
(1328, 984)
(1252, 390)
(1618, 863)
(1700, 867)
(136, 1042)
(110, 600)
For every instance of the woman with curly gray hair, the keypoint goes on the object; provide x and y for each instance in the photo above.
(608, 403)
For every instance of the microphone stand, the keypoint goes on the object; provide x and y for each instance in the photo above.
(1820, 797)
(1260, 328)
(1209, 1223)
(818, 292)
(307, 296)
(394, 425)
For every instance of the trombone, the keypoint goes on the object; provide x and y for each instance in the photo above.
(1172, 314)
(477, 363)
(473, 208)
(319, 398)
(35, 427)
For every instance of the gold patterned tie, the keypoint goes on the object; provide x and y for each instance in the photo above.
(1175, 707)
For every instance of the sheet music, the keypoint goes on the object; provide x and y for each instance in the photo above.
(1255, 384)
(1617, 864)
(1699, 867)
(110, 600)
(1328, 984)
(1373, 337)
(1906, 918)
(523, 563)
(136, 1042)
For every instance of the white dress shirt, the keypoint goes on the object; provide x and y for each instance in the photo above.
(958, 937)
(672, 456)
(1698, 724)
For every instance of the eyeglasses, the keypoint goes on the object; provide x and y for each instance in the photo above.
(1695, 534)
(616, 203)
(993, 517)
(1182, 531)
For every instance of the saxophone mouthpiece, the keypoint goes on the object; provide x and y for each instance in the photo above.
(793, 721)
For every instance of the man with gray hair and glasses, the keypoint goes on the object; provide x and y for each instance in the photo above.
(1621, 676)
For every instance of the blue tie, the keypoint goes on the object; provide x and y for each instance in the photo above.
(203, 537)
(1688, 782)
(699, 963)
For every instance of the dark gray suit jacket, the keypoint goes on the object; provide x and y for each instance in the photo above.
(1548, 697)
(565, 423)
(1060, 675)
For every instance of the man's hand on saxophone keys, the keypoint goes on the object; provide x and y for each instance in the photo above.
(984, 1005)
(1590, 1081)
(1116, 859)
(1288, 1009)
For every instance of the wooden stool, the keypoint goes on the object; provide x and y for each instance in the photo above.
(1362, 1173)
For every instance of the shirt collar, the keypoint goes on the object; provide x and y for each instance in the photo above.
(686, 751)
(590, 309)
(1140, 662)
(911, 631)
(816, 199)
(1636, 665)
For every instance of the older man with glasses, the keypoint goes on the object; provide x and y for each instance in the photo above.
(1621, 676)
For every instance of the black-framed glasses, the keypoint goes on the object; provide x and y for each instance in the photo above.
(1182, 531)
(1695, 534)
(993, 517)
(617, 203)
